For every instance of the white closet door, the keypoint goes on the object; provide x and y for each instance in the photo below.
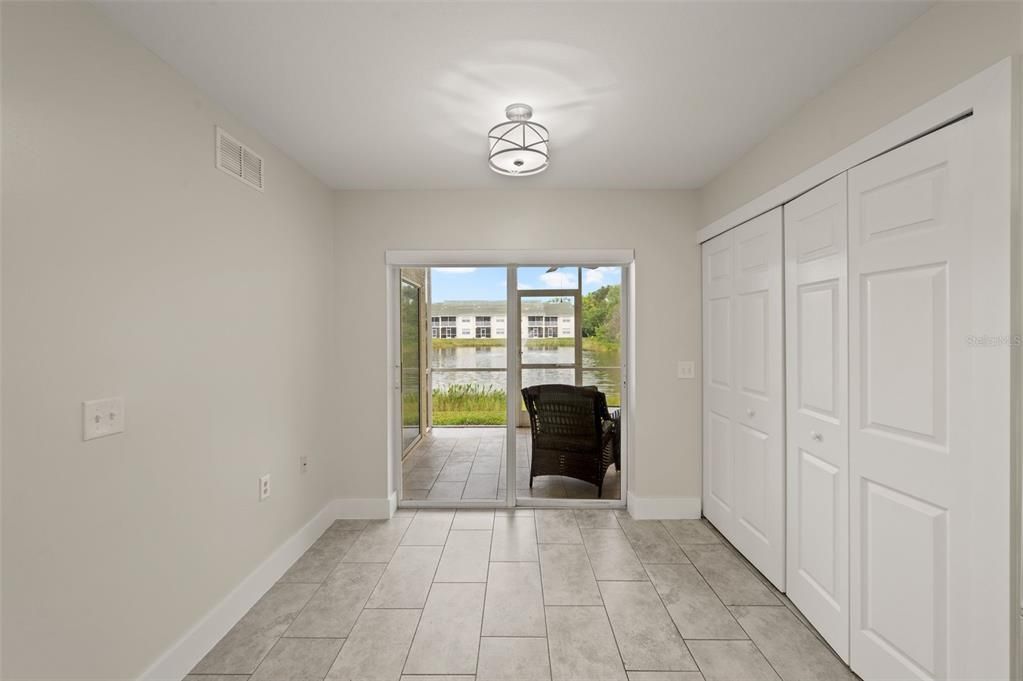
(816, 337)
(759, 432)
(718, 495)
(918, 558)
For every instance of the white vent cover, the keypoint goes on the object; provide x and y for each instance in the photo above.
(238, 161)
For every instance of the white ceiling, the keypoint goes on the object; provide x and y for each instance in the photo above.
(401, 95)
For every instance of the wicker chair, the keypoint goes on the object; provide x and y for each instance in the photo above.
(573, 433)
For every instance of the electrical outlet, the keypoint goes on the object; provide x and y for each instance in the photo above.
(687, 369)
(303, 462)
(102, 417)
(264, 487)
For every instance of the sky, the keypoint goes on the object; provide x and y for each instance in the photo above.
(489, 283)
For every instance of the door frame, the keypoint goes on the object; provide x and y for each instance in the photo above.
(396, 259)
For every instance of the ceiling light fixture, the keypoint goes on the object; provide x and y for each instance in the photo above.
(519, 146)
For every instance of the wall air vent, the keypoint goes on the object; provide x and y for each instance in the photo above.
(238, 161)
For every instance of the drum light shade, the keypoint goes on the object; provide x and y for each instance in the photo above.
(519, 146)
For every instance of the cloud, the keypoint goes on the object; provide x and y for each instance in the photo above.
(557, 279)
(455, 270)
(593, 276)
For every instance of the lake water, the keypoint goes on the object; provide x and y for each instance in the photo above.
(601, 369)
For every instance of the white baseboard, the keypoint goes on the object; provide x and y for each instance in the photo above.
(372, 509)
(664, 508)
(184, 654)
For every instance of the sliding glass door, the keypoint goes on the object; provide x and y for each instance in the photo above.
(483, 333)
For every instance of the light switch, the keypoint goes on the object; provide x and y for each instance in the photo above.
(687, 369)
(102, 417)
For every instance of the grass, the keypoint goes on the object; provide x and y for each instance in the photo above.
(469, 405)
(475, 405)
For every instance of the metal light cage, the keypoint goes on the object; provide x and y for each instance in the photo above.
(519, 146)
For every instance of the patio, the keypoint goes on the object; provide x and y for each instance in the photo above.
(467, 464)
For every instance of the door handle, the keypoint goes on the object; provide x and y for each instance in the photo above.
(814, 435)
(750, 413)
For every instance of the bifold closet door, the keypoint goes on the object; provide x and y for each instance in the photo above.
(744, 421)
(923, 567)
(817, 460)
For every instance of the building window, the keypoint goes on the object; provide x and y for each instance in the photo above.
(443, 327)
(466, 332)
(482, 321)
(550, 332)
(483, 332)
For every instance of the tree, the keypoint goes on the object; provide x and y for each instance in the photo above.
(602, 314)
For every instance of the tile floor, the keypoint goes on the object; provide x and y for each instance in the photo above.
(522, 595)
(468, 464)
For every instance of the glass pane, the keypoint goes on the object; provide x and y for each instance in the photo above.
(548, 330)
(607, 381)
(468, 317)
(410, 370)
(532, 278)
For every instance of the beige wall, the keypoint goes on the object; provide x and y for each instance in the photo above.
(659, 225)
(944, 47)
(131, 266)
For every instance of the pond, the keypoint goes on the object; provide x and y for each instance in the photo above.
(601, 369)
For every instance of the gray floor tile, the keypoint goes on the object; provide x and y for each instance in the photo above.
(514, 538)
(420, 478)
(486, 465)
(221, 677)
(514, 603)
(582, 646)
(428, 528)
(448, 638)
(731, 580)
(299, 659)
(446, 491)
(377, 646)
(244, 647)
(692, 604)
(473, 520)
(348, 525)
(557, 526)
(792, 649)
(378, 541)
(321, 558)
(481, 487)
(652, 542)
(513, 659)
(596, 518)
(567, 576)
(690, 532)
(646, 636)
(406, 581)
(665, 676)
(333, 609)
(432, 677)
(466, 556)
(455, 471)
(731, 661)
(612, 556)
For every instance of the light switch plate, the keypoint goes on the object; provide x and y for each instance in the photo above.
(687, 369)
(102, 417)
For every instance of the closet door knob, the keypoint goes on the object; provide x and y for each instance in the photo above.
(814, 435)
(750, 413)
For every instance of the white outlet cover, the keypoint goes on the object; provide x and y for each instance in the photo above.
(264, 486)
(687, 369)
(102, 417)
